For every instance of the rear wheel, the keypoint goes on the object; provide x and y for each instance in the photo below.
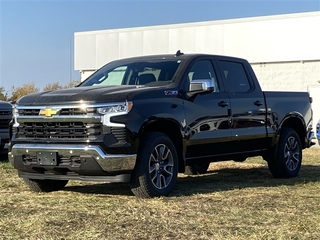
(156, 169)
(287, 158)
(46, 185)
(196, 169)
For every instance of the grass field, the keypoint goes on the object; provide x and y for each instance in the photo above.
(232, 201)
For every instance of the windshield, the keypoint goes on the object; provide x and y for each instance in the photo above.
(153, 73)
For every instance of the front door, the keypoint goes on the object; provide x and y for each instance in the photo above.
(207, 115)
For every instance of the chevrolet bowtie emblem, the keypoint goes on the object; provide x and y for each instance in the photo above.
(48, 112)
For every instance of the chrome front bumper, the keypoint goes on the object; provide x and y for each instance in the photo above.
(108, 162)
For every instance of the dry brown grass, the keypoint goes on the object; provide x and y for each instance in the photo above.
(231, 201)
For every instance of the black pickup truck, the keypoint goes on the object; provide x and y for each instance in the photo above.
(142, 120)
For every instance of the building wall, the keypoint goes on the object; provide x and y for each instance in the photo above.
(287, 76)
(278, 38)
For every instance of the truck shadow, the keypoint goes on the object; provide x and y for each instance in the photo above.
(234, 178)
(215, 180)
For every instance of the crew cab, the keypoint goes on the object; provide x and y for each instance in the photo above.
(144, 119)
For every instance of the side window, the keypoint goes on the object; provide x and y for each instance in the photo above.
(203, 70)
(235, 77)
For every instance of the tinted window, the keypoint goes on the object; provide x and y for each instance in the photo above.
(235, 77)
(155, 72)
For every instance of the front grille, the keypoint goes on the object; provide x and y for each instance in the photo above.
(59, 130)
(4, 123)
(73, 111)
(63, 123)
(61, 112)
(6, 116)
(5, 112)
(29, 112)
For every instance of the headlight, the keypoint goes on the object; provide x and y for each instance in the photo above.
(124, 107)
(114, 109)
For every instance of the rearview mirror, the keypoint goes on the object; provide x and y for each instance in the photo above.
(202, 85)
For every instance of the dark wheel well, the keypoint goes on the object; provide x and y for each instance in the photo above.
(297, 125)
(171, 129)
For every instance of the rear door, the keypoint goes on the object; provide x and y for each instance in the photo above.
(248, 126)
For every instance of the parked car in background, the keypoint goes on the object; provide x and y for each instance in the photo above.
(5, 118)
(318, 131)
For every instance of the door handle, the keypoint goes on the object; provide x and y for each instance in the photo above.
(257, 103)
(223, 104)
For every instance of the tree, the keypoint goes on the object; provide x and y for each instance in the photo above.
(53, 86)
(72, 84)
(26, 89)
(3, 96)
(56, 85)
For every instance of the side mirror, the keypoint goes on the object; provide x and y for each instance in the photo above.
(202, 85)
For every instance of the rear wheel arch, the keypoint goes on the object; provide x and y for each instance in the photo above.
(296, 123)
(285, 160)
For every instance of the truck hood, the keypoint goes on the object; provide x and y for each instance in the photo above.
(96, 94)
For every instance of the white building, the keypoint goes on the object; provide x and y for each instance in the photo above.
(284, 50)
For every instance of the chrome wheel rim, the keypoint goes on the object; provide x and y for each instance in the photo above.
(292, 154)
(161, 166)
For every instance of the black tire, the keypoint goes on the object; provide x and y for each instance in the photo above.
(196, 169)
(287, 158)
(156, 169)
(37, 185)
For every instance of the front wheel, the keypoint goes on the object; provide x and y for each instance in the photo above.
(156, 169)
(287, 158)
(37, 185)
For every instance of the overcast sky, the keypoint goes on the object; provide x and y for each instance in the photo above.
(36, 37)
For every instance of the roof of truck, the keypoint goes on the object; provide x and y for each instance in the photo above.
(178, 55)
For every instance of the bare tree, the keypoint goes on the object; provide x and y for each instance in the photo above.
(72, 84)
(3, 95)
(52, 86)
(26, 89)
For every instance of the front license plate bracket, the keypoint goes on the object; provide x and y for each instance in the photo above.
(47, 158)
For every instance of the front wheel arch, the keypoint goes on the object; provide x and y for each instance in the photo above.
(172, 129)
